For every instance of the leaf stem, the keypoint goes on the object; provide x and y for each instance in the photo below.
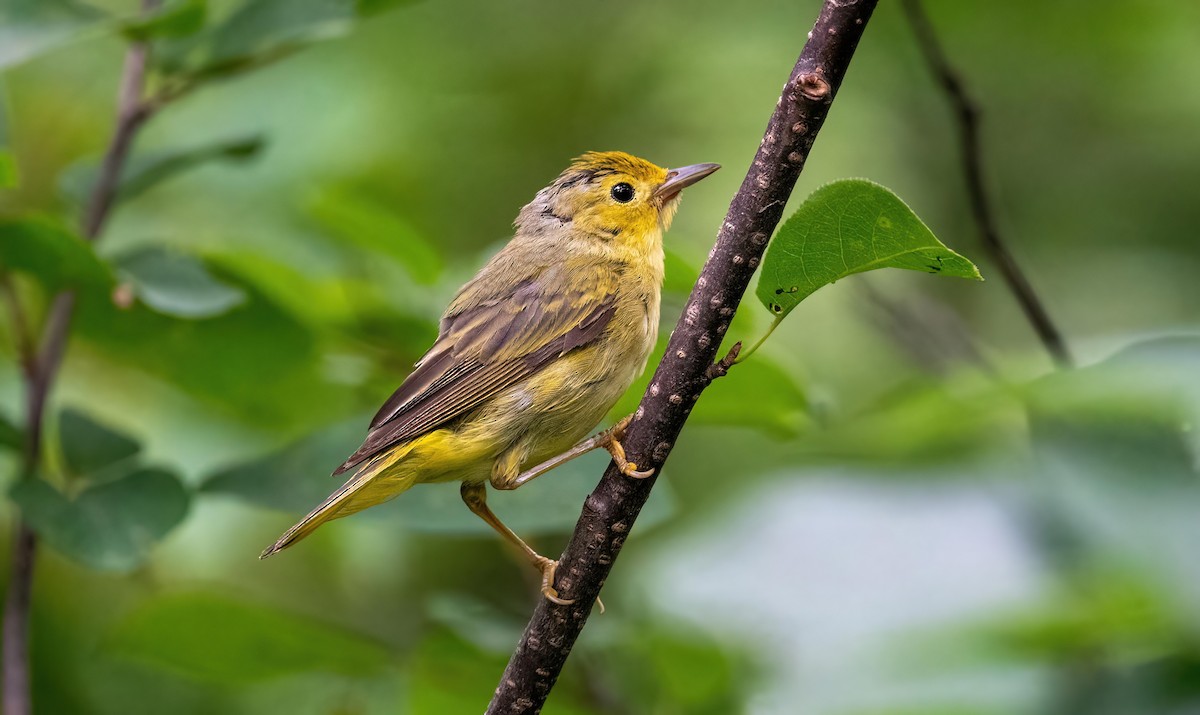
(770, 329)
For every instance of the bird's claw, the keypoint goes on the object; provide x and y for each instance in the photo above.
(612, 442)
(630, 469)
(548, 567)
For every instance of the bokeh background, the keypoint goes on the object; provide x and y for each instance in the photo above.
(897, 506)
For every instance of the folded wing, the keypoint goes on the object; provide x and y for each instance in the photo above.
(499, 341)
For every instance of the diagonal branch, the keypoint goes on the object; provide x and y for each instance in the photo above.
(687, 368)
(968, 116)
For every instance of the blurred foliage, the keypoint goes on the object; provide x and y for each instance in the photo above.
(51, 254)
(292, 223)
(233, 642)
(144, 171)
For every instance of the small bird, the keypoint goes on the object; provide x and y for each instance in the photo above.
(532, 352)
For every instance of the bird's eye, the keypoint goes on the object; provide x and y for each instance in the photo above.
(622, 192)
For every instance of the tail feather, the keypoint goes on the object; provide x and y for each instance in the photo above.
(374, 483)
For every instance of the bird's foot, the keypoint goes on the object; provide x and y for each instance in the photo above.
(548, 567)
(611, 441)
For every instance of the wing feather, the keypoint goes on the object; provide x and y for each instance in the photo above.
(482, 350)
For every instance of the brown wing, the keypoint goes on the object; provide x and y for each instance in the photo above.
(490, 347)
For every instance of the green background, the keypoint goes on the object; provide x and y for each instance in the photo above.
(895, 507)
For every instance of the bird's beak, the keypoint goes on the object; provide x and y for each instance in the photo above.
(681, 178)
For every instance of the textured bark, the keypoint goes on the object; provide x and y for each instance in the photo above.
(687, 368)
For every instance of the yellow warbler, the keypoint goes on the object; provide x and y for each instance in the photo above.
(532, 352)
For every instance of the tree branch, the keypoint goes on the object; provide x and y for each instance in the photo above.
(687, 368)
(42, 368)
(967, 114)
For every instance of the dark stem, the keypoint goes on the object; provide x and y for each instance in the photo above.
(609, 511)
(968, 117)
(16, 623)
(42, 368)
(132, 113)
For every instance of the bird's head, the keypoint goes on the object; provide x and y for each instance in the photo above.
(612, 196)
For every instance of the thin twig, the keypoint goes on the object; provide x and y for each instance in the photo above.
(968, 116)
(132, 113)
(686, 369)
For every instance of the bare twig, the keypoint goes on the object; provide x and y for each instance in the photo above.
(687, 368)
(968, 116)
(132, 113)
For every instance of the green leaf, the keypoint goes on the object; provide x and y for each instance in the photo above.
(368, 224)
(261, 31)
(11, 436)
(176, 284)
(90, 447)
(296, 478)
(111, 526)
(145, 171)
(56, 257)
(1117, 482)
(174, 19)
(29, 28)
(212, 638)
(849, 227)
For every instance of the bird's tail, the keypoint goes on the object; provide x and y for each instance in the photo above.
(377, 481)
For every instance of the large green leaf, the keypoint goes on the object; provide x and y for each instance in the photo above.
(29, 28)
(178, 18)
(849, 227)
(90, 447)
(144, 171)
(260, 31)
(110, 526)
(176, 284)
(296, 479)
(1116, 452)
(56, 257)
(216, 639)
(364, 223)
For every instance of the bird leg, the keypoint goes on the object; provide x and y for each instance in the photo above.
(475, 497)
(609, 439)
